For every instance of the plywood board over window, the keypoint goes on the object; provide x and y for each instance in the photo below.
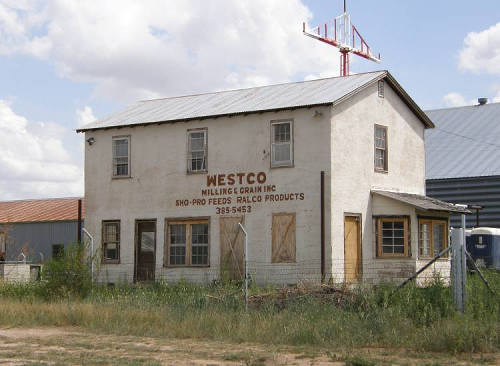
(283, 238)
(231, 248)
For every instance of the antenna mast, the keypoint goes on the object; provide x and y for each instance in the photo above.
(341, 33)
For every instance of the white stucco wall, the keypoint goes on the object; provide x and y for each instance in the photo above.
(159, 178)
(339, 142)
(354, 176)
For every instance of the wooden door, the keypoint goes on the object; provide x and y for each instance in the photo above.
(352, 248)
(145, 251)
(231, 249)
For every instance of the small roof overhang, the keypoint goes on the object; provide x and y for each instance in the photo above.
(423, 202)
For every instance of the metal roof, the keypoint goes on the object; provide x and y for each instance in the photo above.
(422, 202)
(252, 100)
(465, 142)
(56, 209)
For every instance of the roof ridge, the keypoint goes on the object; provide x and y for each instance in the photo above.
(463, 106)
(258, 87)
(42, 199)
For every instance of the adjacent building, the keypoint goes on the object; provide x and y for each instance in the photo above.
(326, 176)
(463, 160)
(37, 230)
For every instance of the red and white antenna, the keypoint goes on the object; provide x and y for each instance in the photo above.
(341, 33)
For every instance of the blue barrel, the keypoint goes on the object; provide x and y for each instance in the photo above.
(484, 247)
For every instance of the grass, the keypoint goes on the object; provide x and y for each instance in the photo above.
(414, 318)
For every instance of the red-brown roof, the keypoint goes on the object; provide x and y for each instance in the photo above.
(55, 209)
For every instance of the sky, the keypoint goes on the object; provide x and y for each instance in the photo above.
(64, 63)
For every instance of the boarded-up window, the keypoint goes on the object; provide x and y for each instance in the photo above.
(283, 246)
(231, 248)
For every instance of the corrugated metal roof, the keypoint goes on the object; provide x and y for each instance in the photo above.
(272, 97)
(465, 142)
(422, 202)
(241, 101)
(57, 209)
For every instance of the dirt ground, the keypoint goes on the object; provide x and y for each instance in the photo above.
(72, 346)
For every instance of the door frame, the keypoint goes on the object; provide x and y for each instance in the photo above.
(359, 218)
(136, 245)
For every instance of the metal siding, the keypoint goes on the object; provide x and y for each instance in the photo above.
(483, 191)
(464, 143)
(38, 238)
(272, 97)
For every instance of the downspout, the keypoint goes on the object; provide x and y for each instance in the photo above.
(79, 235)
(323, 227)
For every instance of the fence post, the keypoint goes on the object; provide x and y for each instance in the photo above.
(458, 265)
(246, 265)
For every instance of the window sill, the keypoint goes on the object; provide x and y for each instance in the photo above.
(111, 262)
(170, 266)
(399, 257)
(121, 177)
(283, 166)
(197, 172)
(382, 171)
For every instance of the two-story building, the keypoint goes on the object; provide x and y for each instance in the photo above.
(327, 176)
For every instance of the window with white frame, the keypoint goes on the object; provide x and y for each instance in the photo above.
(380, 148)
(197, 150)
(281, 143)
(111, 241)
(121, 156)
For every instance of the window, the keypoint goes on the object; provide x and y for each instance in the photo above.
(380, 148)
(111, 241)
(2, 245)
(187, 243)
(392, 237)
(197, 150)
(381, 88)
(283, 238)
(433, 237)
(121, 156)
(57, 250)
(281, 144)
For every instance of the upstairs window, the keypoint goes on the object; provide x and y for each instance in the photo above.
(197, 151)
(121, 156)
(392, 237)
(380, 148)
(281, 144)
(433, 237)
(111, 241)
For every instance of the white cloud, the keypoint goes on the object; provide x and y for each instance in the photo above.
(481, 51)
(84, 116)
(455, 99)
(132, 50)
(33, 159)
